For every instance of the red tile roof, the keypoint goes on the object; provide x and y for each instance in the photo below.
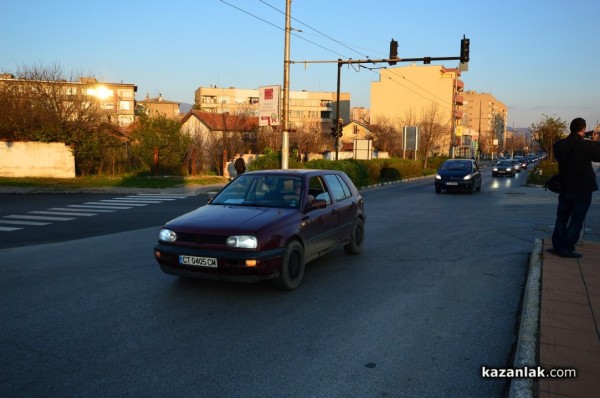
(224, 121)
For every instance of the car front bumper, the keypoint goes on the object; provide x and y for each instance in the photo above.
(231, 265)
(455, 185)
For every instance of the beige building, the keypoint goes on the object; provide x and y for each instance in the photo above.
(116, 100)
(159, 106)
(485, 114)
(304, 106)
(405, 95)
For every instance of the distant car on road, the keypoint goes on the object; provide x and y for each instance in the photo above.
(458, 175)
(265, 225)
(523, 162)
(516, 165)
(503, 168)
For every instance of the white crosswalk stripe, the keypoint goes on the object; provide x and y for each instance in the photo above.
(20, 222)
(9, 229)
(15, 222)
(63, 213)
(96, 209)
(27, 217)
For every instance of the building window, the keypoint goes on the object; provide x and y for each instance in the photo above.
(125, 93)
(124, 105)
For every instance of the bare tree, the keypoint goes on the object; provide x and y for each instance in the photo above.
(387, 137)
(547, 132)
(434, 133)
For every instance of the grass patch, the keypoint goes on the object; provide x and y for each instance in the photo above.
(542, 172)
(133, 181)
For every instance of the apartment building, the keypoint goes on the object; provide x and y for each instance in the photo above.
(158, 106)
(487, 115)
(405, 95)
(304, 106)
(116, 100)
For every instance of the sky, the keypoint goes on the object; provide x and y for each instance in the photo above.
(540, 58)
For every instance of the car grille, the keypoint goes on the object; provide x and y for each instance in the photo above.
(199, 238)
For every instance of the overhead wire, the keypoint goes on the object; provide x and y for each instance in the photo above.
(435, 98)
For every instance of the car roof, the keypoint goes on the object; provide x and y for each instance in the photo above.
(297, 172)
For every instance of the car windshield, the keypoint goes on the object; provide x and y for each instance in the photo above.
(263, 191)
(504, 163)
(454, 165)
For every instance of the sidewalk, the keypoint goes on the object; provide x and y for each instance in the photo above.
(569, 321)
(560, 323)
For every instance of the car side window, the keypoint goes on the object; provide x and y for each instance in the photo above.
(317, 190)
(338, 190)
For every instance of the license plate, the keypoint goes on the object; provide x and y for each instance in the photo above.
(452, 183)
(198, 261)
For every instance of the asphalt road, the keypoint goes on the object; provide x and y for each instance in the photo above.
(434, 296)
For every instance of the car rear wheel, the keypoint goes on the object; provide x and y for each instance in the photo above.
(292, 268)
(356, 238)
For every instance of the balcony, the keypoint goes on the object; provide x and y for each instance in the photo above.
(458, 114)
(458, 99)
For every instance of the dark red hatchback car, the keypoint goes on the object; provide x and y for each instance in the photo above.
(265, 225)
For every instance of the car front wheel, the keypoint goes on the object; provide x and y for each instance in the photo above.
(292, 268)
(356, 238)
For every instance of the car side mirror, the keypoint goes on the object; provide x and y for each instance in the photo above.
(318, 204)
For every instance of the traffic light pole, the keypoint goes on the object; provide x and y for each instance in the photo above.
(464, 59)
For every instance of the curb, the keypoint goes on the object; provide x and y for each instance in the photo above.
(527, 342)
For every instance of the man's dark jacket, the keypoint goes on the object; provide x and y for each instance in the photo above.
(575, 156)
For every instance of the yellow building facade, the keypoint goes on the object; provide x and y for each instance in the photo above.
(408, 94)
(484, 113)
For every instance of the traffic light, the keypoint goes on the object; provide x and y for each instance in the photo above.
(393, 51)
(336, 131)
(464, 50)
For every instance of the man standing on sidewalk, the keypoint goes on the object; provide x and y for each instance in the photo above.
(577, 181)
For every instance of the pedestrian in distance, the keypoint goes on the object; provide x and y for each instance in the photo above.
(240, 165)
(577, 177)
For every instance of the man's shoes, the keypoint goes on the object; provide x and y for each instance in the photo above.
(572, 254)
(566, 254)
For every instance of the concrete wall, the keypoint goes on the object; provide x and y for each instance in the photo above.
(36, 159)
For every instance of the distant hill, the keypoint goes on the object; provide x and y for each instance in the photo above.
(185, 108)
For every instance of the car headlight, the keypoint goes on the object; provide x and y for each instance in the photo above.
(242, 242)
(438, 177)
(508, 169)
(467, 177)
(495, 169)
(166, 235)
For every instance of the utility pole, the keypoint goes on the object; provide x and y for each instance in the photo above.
(337, 110)
(285, 145)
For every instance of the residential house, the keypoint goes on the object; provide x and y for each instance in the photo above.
(158, 106)
(212, 132)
